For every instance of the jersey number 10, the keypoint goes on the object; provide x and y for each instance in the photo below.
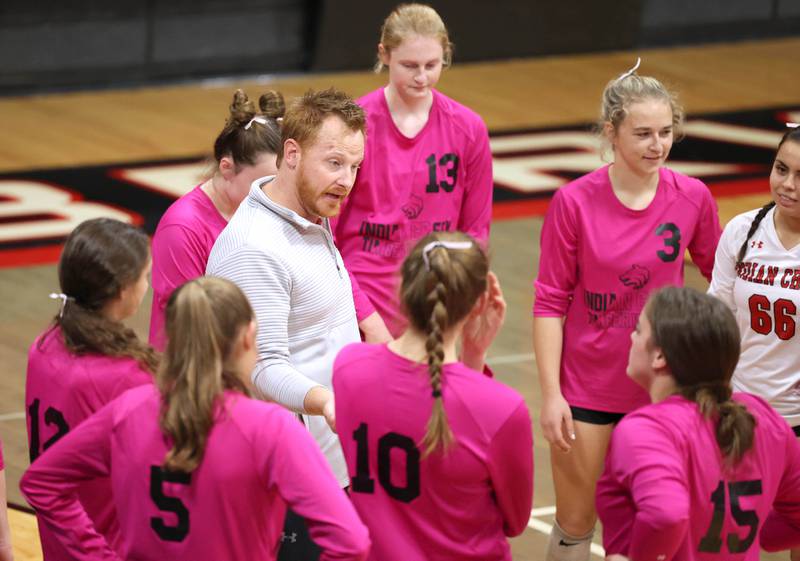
(363, 483)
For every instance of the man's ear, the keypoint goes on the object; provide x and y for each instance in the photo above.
(292, 153)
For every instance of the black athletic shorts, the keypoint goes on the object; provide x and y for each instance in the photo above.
(595, 417)
(296, 543)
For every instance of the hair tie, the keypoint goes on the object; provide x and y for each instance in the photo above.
(257, 119)
(63, 297)
(631, 71)
(436, 393)
(447, 245)
(792, 125)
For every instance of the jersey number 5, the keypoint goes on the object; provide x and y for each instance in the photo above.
(363, 483)
(158, 476)
(712, 541)
(51, 417)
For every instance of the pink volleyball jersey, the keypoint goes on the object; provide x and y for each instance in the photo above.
(183, 239)
(600, 261)
(665, 495)
(258, 459)
(61, 391)
(440, 180)
(457, 505)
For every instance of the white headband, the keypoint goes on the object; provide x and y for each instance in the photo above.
(632, 70)
(792, 125)
(447, 245)
(63, 297)
(260, 120)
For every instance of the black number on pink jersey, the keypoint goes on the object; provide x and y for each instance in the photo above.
(761, 322)
(673, 242)
(52, 417)
(363, 483)
(712, 541)
(158, 476)
(450, 164)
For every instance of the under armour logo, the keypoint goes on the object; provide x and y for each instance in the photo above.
(759, 245)
(565, 544)
(290, 539)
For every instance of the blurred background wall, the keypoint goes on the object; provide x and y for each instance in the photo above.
(49, 44)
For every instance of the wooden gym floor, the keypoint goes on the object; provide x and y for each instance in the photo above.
(75, 129)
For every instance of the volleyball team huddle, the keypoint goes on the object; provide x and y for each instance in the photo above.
(340, 248)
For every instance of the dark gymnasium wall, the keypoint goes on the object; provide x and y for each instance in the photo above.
(48, 45)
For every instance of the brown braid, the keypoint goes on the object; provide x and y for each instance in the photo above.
(435, 299)
(438, 433)
(753, 227)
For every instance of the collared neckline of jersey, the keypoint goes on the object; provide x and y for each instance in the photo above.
(257, 191)
(261, 198)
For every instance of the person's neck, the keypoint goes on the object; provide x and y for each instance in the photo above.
(634, 190)
(215, 189)
(411, 345)
(282, 190)
(787, 228)
(402, 107)
(662, 387)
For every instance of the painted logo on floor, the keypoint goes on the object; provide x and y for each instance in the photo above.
(731, 152)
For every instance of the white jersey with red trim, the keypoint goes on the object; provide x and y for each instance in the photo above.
(764, 294)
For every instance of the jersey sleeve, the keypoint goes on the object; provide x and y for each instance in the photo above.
(305, 481)
(703, 245)
(642, 460)
(266, 282)
(476, 208)
(558, 261)
(511, 470)
(129, 378)
(175, 251)
(724, 276)
(363, 305)
(51, 485)
(781, 530)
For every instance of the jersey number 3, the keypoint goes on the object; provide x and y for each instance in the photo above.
(712, 541)
(672, 243)
(159, 476)
(363, 483)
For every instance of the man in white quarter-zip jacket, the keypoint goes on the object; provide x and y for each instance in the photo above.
(279, 250)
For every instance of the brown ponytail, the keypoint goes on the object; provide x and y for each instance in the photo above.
(700, 340)
(101, 257)
(435, 297)
(204, 317)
